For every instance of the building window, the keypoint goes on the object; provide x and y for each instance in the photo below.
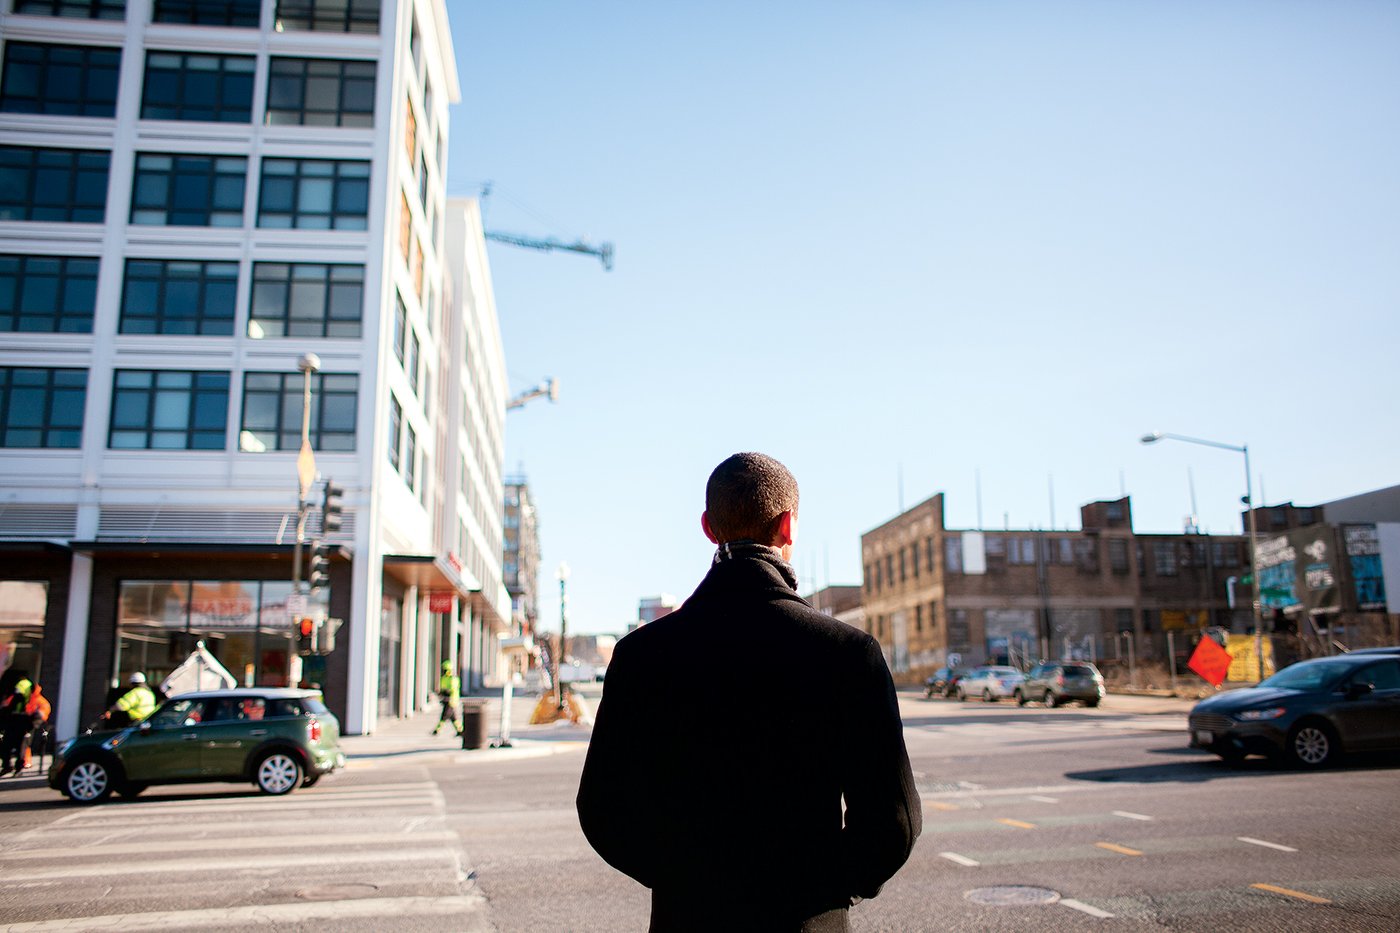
(1164, 558)
(53, 184)
(1118, 555)
(320, 92)
(1086, 555)
(47, 294)
(400, 330)
(328, 15)
(919, 618)
(306, 300)
(212, 88)
(953, 554)
(1226, 554)
(70, 80)
(171, 296)
(410, 456)
(246, 13)
(188, 190)
(314, 194)
(410, 363)
(169, 410)
(272, 405)
(75, 9)
(42, 407)
(395, 429)
(410, 129)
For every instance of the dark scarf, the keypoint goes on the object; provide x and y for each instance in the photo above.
(738, 550)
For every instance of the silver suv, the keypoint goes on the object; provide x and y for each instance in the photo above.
(1056, 682)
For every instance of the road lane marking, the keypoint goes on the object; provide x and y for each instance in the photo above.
(324, 860)
(1131, 816)
(940, 805)
(1289, 892)
(960, 859)
(225, 844)
(1084, 908)
(1043, 799)
(1114, 847)
(1267, 845)
(262, 915)
(1019, 824)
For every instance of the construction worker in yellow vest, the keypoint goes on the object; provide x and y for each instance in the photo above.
(450, 694)
(134, 705)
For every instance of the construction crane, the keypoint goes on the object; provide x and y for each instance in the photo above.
(548, 389)
(604, 251)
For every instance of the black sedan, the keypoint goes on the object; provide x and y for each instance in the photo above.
(1309, 713)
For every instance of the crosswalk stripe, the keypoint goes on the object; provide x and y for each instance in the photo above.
(467, 906)
(323, 861)
(226, 844)
(154, 808)
(1084, 908)
(959, 859)
(1268, 845)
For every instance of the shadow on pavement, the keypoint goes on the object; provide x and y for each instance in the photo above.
(1012, 716)
(1203, 767)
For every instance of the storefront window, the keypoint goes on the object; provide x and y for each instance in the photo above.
(243, 623)
(23, 604)
(390, 623)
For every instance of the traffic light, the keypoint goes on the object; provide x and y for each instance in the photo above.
(331, 508)
(318, 567)
(306, 635)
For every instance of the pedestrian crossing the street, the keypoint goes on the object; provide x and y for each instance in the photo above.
(341, 855)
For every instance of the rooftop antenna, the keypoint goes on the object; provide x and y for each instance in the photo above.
(900, 481)
(1051, 477)
(1192, 523)
(978, 475)
(1122, 484)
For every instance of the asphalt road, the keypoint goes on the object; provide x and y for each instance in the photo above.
(1080, 819)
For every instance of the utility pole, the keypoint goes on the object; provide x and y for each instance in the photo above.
(563, 574)
(306, 475)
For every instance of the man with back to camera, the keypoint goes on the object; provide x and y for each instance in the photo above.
(728, 805)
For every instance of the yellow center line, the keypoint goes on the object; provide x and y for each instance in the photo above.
(939, 805)
(1289, 892)
(1114, 847)
(1019, 824)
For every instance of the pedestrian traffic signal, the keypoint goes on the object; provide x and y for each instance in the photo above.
(305, 635)
(331, 508)
(318, 568)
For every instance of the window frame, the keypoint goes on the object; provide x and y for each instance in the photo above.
(330, 278)
(234, 13)
(61, 317)
(353, 16)
(341, 116)
(292, 209)
(214, 171)
(28, 162)
(230, 104)
(92, 84)
(95, 8)
(195, 395)
(208, 274)
(328, 389)
(51, 433)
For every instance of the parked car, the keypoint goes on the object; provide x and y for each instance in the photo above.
(1309, 713)
(1056, 682)
(989, 682)
(279, 739)
(942, 681)
(1392, 649)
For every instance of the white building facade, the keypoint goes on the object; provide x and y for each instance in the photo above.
(193, 196)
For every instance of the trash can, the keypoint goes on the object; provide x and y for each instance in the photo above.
(473, 723)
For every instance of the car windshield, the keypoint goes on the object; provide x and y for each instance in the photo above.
(1308, 675)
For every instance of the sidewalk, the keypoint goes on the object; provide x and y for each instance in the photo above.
(408, 739)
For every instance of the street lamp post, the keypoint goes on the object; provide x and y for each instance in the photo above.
(306, 462)
(563, 574)
(1156, 436)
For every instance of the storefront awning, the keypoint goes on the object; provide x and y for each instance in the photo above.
(428, 572)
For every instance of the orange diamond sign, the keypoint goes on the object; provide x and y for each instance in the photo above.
(1210, 661)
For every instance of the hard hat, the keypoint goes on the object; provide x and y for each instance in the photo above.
(447, 665)
(137, 678)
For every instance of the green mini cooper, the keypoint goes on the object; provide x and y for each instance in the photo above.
(276, 738)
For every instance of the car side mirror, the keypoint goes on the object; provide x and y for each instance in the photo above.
(1358, 690)
(144, 726)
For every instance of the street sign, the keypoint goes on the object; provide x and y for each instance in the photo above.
(440, 601)
(1211, 661)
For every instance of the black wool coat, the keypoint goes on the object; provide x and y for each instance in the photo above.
(727, 801)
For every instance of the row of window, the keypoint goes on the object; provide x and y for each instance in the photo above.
(319, 15)
(58, 294)
(82, 81)
(177, 409)
(184, 190)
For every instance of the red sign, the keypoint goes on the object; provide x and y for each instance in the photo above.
(441, 601)
(1210, 661)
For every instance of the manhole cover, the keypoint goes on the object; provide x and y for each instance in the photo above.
(336, 892)
(1012, 895)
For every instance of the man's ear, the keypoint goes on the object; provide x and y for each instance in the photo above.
(705, 524)
(783, 529)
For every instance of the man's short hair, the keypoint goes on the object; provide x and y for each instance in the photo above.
(746, 494)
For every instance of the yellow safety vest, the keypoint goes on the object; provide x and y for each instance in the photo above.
(138, 702)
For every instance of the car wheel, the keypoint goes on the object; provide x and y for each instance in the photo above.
(88, 782)
(1020, 698)
(987, 695)
(1312, 745)
(132, 789)
(278, 773)
(1091, 703)
(962, 696)
(1051, 701)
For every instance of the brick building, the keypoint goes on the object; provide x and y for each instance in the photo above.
(985, 595)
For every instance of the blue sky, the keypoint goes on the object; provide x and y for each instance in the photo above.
(933, 241)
